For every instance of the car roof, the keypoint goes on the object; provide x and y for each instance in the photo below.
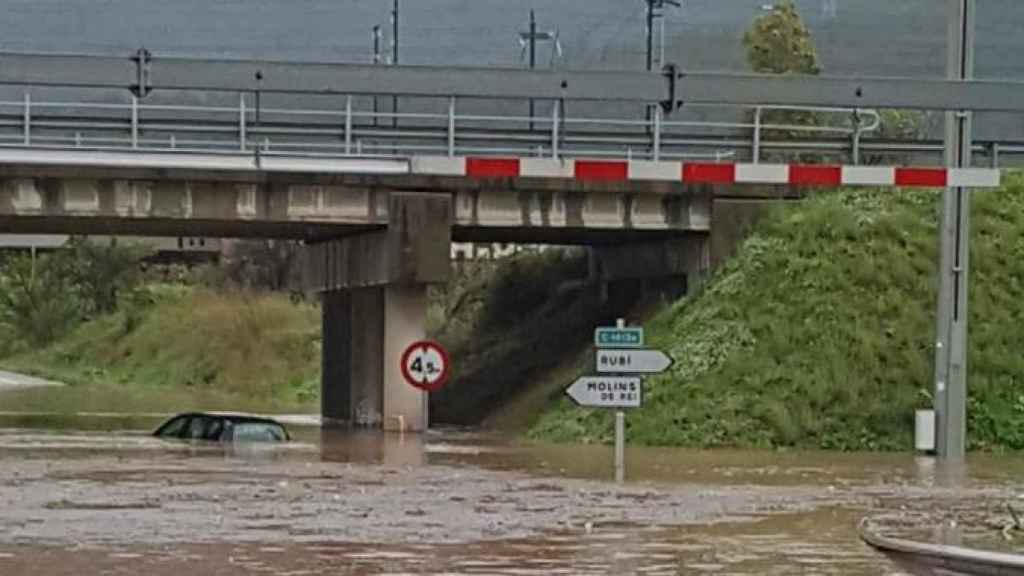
(234, 417)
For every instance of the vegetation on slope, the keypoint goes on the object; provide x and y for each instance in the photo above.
(819, 333)
(199, 347)
(508, 323)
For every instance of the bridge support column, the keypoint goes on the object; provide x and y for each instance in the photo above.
(374, 294)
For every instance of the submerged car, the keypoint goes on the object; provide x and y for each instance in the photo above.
(220, 427)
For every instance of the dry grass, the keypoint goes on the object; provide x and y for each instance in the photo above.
(255, 346)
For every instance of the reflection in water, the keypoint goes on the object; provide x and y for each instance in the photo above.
(371, 447)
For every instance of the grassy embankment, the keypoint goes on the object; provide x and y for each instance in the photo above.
(191, 348)
(819, 333)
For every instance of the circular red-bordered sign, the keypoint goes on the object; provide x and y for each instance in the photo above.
(425, 365)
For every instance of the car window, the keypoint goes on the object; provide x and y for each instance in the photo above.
(204, 428)
(173, 428)
(259, 432)
(213, 431)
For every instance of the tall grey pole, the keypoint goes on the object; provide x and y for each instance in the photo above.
(951, 340)
(650, 34)
(533, 57)
(376, 60)
(394, 57)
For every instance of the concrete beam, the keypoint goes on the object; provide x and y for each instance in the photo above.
(319, 207)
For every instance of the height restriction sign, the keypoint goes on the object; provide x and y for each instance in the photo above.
(425, 365)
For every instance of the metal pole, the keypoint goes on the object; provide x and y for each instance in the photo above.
(533, 56)
(650, 52)
(348, 124)
(757, 135)
(661, 41)
(394, 58)
(451, 126)
(650, 34)
(554, 130)
(28, 120)
(376, 60)
(241, 121)
(135, 122)
(657, 133)
(620, 446)
(620, 432)
(951, 339)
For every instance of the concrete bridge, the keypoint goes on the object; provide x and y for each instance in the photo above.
(376, 232)
(378, 223)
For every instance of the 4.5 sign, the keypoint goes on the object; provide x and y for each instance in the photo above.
(426, 366)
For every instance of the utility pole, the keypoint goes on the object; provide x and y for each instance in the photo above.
(533, 56)
(394, 56)
(528, 40)
(655, 9)
(951, 317)
(377, 57)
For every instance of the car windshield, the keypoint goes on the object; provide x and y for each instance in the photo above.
(173, 428)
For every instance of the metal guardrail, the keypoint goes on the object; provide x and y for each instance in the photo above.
(349, 131)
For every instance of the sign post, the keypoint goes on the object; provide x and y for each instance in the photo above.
(620, 357)
(620, 416)
(620, 446)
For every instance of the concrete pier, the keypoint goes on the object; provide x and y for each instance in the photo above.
(374, 293)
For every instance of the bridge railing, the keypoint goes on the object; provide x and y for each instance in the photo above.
(362, 126)
(355, 128)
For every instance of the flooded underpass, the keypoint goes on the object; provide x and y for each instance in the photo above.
(97, 495)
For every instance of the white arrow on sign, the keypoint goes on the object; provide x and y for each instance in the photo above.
(632, 361)
(607, 391)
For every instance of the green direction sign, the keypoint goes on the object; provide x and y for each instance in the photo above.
(610, 337)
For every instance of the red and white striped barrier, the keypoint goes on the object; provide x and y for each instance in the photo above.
(820, 175)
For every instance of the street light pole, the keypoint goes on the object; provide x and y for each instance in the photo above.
(951, 317)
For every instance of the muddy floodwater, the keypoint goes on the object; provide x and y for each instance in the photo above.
(97, 495)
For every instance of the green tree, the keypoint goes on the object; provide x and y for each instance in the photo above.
(39, 299)
(103, 271)
(780, 43)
